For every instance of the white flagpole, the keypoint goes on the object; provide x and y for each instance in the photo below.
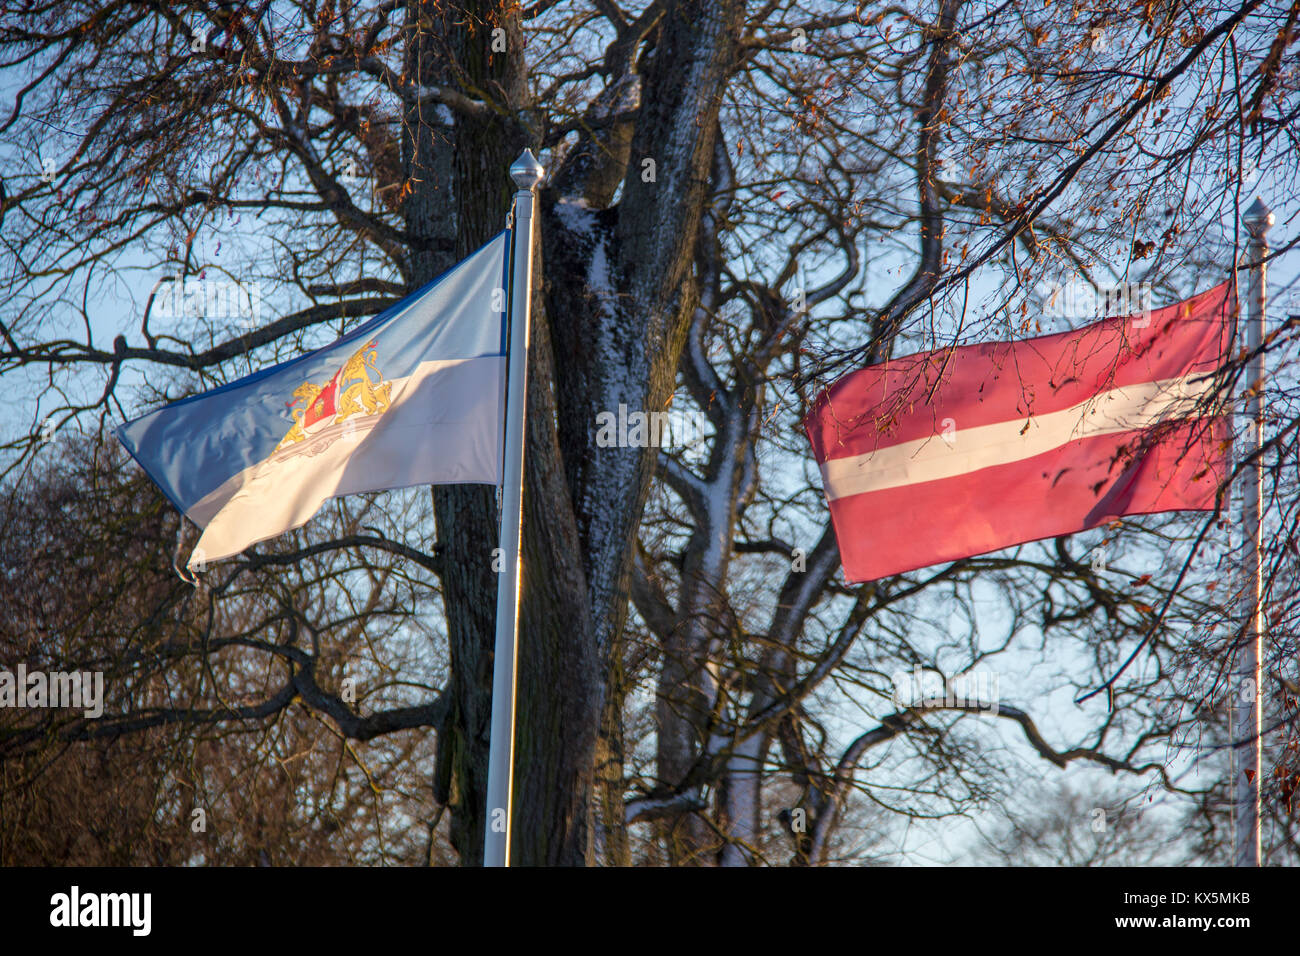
(1248, 691)
(526, 172)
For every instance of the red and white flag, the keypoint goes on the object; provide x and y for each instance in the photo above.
(947, 454)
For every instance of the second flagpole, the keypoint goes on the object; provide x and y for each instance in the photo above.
(526, 172)
(1247, 724)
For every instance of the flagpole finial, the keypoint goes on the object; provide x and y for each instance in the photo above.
(1257, 219)
(526, 171)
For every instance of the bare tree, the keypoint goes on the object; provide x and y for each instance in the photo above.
(742, 201)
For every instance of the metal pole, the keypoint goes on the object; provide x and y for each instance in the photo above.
(1247, 745)
(526, 172)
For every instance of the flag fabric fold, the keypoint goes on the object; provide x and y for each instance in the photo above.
(412, 396)
(957, 452)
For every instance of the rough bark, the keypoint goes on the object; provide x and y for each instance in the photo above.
(560, 691)
(459, 185)
(561, 677)
(622, 279)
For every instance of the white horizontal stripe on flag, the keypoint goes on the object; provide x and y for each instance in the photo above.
(935, 457)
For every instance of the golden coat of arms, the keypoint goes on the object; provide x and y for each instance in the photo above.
(353, 391)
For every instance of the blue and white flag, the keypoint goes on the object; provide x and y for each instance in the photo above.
(414, 396)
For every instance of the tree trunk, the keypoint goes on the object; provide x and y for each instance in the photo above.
(460, 190)
(582, 504)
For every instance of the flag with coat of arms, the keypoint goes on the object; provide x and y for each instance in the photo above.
(413, 396)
